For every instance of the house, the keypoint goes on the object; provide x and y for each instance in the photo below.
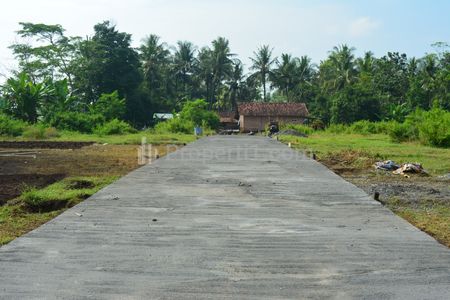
(228, 119)
(256, 116)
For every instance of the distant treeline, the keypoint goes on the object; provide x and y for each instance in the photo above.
(102, 76)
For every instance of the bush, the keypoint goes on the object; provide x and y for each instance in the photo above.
(400, 132)
(362, 127)
(114, 126)
(40, 132)
(300, 128)
(336, 128)
(110, 106)
(175, 125)
(197, 113)
(434, 128)
(11, 127)
(76, 121)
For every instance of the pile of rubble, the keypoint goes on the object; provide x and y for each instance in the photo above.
(403, 169)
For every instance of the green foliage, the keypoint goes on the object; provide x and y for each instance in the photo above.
(23, 97)
(65, 193)
(175, 125)
(197, 113)
(59, 74)
(75, 121)
(300, 128)
(11, 127)
(400, 132)
(435, 128)
(114, 126)
(111, 106)
(40, 132)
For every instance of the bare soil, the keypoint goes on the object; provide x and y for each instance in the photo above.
(412, 190)
(44, 163)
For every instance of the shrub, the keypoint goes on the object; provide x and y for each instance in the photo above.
(39, 132)
(317, 125)
(11, 127)
(110, 106)
(336, 128)
(434, 128)
(76, 121)
(175, 125)
(362, 127)
(400, 132)
(197, 113)
(114, 126)
(300, 128)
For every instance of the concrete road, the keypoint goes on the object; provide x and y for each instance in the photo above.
(227, 218)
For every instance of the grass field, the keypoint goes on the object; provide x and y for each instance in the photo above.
(377, 146)
(124, 139)
(422, 201)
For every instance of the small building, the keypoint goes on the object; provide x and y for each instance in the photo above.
(256, 116)
(162, 116)
(229, 119)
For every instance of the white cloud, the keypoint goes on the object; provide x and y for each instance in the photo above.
(363, 26)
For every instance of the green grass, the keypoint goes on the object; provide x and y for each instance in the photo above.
(435, 160)
(65, 193)
(36, 207)
(126, 139)
(434, 219)
(15, 221)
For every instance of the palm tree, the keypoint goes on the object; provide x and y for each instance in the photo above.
(184, 65)
(261, 64)
(215, 66)
(284, 76)
(366, 63)
(154, 56)
(343, 65)
(222, 62)
(235, 83)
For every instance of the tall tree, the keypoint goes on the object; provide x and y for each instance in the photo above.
(106, 63)
(155, 59)
(262, 66)
(185, 65)
(46, 52)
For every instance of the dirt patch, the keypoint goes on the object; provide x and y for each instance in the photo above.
(80, 184)
(47, 166)
(50, 165)
(412, 191)
(12, 185)
(357, 167)
(43, 145)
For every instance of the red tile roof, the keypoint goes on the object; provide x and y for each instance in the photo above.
(227, 116)
(273, 109)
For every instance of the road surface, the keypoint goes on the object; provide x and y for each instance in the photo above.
(231, 217)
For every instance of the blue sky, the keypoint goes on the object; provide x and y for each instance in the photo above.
(293, 26)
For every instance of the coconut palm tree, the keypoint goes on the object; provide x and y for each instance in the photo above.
(342, 62)
(184, 66)
(262, 66)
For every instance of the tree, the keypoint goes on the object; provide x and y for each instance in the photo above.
(110, 106)
(49, 53)
(107, 63)
(342, 62)
(23, 97)
(185, 65)
(222, 64)
(261, 65)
